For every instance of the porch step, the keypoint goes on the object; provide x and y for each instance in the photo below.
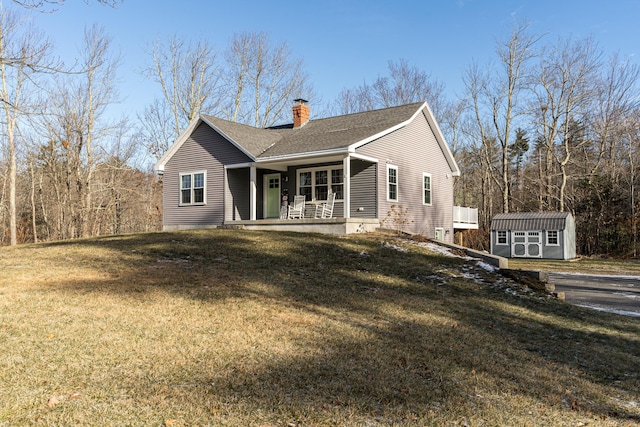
(232, 226)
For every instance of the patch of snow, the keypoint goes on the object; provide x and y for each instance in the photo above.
(486, 266)
(627, 295)
(604, 276)
(436, 248)
(394, 247)
(610, 310)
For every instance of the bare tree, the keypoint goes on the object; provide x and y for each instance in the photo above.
(51, 5)
(263, 80)
(404, 84)
(189, 78)
(23, 53)
(616, 97)
(157, 132)
(515, 55)
(566, 86)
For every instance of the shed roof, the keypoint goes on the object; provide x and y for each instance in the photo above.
(530, 221)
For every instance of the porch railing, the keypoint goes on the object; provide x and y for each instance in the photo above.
(465, 217)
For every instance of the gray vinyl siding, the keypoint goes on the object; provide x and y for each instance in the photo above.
(415, 150)
(206, 150)
(364, 196)
(238, 200)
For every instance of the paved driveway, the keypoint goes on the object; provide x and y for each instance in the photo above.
(616, 294)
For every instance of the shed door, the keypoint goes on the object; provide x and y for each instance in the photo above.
(526, 244)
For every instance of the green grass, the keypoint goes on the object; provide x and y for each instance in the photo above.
(580, 265)
(228, 327)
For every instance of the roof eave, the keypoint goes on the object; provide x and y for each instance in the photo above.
(228, 138)
(160, 164)
(307, 154)
(453, 165)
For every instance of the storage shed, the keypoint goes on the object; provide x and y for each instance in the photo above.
(549, 235)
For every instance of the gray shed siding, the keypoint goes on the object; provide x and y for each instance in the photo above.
(562, 222)
(414, 150)
(204, 150)
(364, 189)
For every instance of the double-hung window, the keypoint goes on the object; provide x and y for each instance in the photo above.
(426, 189)
(316, 183)
(192, 188)
(502, 237)
(552, 238)
(392, 183)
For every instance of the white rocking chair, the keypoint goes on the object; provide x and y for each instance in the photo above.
(325, 210)
(296, 209)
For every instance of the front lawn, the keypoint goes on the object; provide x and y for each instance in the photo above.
(239, 328)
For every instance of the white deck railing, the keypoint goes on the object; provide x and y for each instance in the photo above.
(464, 217)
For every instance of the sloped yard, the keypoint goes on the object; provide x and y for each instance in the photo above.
(226, 327)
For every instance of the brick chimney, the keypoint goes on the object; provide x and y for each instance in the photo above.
(301, 112)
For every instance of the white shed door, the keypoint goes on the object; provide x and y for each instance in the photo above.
(526, 244)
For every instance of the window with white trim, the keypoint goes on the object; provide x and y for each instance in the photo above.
(501, 237)
(392, 183)
(316, 183)
(426, 189)
(192, 188)
(552, 238)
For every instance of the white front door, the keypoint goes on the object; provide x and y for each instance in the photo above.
(272, 195)
(526, 244)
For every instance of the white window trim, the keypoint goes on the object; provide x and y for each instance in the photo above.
(204, 196)
(389, 199)
(506, 240)
(424, 174)
(313, 180)
(557, 238)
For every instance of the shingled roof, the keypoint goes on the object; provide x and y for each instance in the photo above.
(530, 221)
(316, 135)
(322, 136)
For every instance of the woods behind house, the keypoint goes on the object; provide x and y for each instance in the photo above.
(546, 124)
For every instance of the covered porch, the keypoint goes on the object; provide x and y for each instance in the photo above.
(310, 225)
(257, 194)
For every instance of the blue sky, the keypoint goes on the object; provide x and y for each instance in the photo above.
(343, 43)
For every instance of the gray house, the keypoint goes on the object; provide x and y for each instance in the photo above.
(549, 235)
(384, 167)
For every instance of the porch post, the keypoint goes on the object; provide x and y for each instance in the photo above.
(252, 193)
(346, 189)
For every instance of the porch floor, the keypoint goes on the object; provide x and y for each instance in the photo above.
(310, 225)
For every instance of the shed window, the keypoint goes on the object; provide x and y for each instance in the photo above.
(552, 238)
(192, 188)
(502, 237)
